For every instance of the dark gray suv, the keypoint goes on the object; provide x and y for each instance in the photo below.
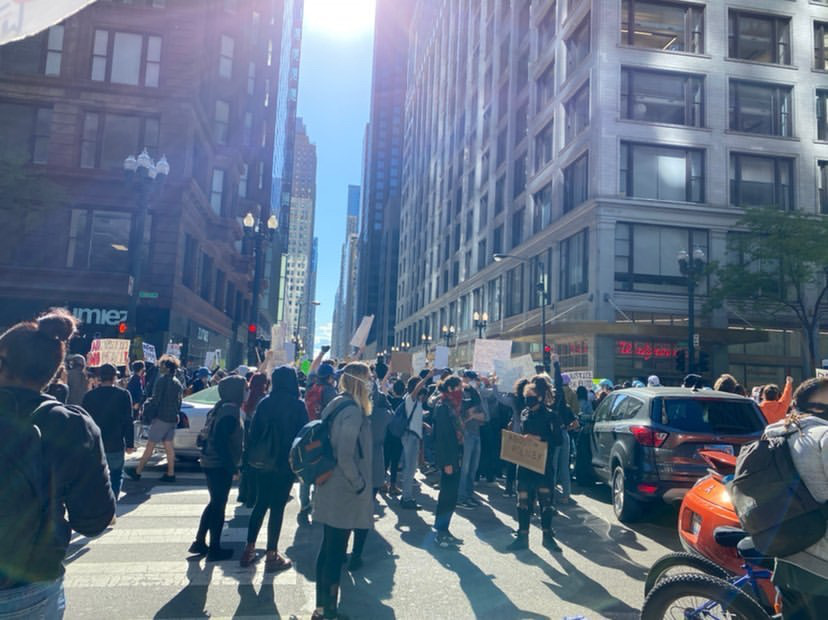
(645, 442)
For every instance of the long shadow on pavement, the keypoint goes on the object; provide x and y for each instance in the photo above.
(192, 599)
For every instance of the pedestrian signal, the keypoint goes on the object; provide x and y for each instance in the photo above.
(122, 328)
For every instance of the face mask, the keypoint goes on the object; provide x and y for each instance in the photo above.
(532, 401)
(455, 398)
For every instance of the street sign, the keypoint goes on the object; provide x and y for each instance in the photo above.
(147, 294)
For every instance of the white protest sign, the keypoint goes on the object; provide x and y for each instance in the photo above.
(21, 19)
(290, 352)
(108, 351)
(487, 351)
(822, 372)
(174, 349)
(418, 361)
(361, 334)
(212, 359)
(149, 353)
(578, 378)
(510, 371)
(441, 357)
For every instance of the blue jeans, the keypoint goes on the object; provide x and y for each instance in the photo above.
(304, 496)
(411, 452)
(37, 601)
(115, 460)
(471, 459)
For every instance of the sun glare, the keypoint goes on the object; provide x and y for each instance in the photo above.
(339, 18)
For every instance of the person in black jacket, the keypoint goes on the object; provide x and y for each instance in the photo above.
(63, 446)
(111, 408)
(221, 458)
(540, 420)
(449, 444)
(277, 420)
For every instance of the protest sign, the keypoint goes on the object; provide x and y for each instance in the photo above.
(487, 351)
(441, 357)
(149, 353)
(510, 371)
(305, 367)
(108, 351)
(822, 372)
(289, 352)
(418, 361)
(401, 362)
(361, 334)
(524, 451)
(578, 378)
(174, 349)
(212, 359)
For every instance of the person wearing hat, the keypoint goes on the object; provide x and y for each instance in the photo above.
(201, 381)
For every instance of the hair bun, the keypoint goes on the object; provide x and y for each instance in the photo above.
(57, 323)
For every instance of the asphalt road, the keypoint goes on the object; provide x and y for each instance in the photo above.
(140, 567)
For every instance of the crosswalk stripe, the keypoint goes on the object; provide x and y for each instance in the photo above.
(178, 573)
(120, 535)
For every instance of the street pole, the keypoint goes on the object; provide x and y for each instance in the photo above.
(136, 246)
(542, 287)
(252, 355)
(691, 321)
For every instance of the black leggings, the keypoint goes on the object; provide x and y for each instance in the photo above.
(529, 490)
(272, 493)
(219, 482)
(329, 568)
(393, 452)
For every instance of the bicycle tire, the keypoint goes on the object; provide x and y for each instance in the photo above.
(705, 587)
(681, 558)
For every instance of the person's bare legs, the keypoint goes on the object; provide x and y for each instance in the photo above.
(145, 457)
(170, 450)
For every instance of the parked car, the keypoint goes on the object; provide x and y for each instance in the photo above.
(645, 442)
(194, 410)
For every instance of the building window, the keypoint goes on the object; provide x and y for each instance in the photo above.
(822, 186)
(126, 58)
(577, 113)
(662, 97)
(645, 257)
(574, 265)
(500, 194)
(54, 50)
(521, 123)
(495, 299)
(544, 145)
(662, 172)
(226, 49)
(517, 226)
(821, 45)
(577, 46)
(546, 87)
(41, 135)
(37, 54)
(107, 139)
(482, 256)
(760, 108)
(760, 181)
(519, 176)
(222, 121)
(760, 38)
(670, 26)
(188, 276)
(576, 183)
(497, 240)
(243, 179)
(514, 291)
(247, 128)
(251, 78)
(99, 241)
(206, 276)
(543, 209)
(217, 190)
(25, 132)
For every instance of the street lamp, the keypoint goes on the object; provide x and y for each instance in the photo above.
(448, 334)
(258, 232)
(481, 321)
(691, 267)
(143, 175)
(426, 340)
(541, 287)
(404, 345)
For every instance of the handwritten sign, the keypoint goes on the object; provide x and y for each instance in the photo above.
(511, 371)
(174, 349)
(441, 356)
(108, 351)
(487, 351)
(578, 378)
(361, 334)
(401, 362)
(149, 353)
(418, 361)
(524, 451)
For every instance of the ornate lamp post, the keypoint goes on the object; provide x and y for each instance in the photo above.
(448, 334)
(258, 232)
(481, 321)
(426, 341)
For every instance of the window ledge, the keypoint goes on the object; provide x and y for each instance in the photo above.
(731, 132)
(744, 61)
(660, 51)
(669, 125)
(662, 201)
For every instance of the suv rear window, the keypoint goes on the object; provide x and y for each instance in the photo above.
(708, 415)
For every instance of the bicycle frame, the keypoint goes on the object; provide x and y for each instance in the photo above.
(752, 575)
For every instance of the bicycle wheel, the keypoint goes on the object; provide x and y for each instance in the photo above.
(699, 597)
(679, 564)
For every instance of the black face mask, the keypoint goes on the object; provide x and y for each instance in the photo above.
(531, 401)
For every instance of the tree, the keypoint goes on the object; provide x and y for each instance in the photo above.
(777, 266)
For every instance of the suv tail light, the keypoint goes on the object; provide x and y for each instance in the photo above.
(646, 436)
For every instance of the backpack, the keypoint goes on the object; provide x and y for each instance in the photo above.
(401, 420)
(773, 504)
(313, 401)
(207, 430)
(311, 455)
(24, 511)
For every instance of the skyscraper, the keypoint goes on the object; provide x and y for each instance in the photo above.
(343, 317)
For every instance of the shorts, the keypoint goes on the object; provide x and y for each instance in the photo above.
(160, 431)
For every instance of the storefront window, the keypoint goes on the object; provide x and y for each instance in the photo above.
(99, 241)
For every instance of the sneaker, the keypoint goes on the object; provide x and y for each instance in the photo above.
(248, 555)
(549, 542)
(198, 548)
(132, 473)
(355, 563)
(167, 478)
(474, 502)
(446, 539)
(519, 544)
(219, 555)
(394, 491)
(409, 504)
(275, 563)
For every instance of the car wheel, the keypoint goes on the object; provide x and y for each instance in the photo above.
(626, 508)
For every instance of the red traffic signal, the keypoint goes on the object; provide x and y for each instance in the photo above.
(547, 349)
(251, 329)
(122, 328)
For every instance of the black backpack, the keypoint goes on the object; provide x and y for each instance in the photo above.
(311, 455)
(24, 505)
(773, 504)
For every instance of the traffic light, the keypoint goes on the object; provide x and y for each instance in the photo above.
(251, 329)
(547, 357)
(122, 328)
(681, 360)
(704, 361)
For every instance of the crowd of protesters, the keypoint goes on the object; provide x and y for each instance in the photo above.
(384, 426)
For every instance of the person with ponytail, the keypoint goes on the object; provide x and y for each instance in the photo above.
(55, 476)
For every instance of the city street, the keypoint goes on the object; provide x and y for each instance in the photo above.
(139, 568)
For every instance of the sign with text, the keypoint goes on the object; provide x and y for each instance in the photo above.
(441, 357)
(361, 334)
(418, 361)
(821, 372)
(174, 349)
(401, 362)
(511, 371)
(524, 451)
(487, 351)
(108, 351)
(580, 377)
(149, 352)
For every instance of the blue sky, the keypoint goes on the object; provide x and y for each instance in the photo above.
(334, 102)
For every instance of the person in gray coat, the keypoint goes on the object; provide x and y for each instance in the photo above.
(344, 502)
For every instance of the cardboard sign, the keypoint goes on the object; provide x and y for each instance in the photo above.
(579, 378)
(401, 362)
(418, 361)
(361, 334)
(108, 351)
(174, 349)
(441, 357)
(511, 371)
(524, 451)
(487, 351)
(149, 353)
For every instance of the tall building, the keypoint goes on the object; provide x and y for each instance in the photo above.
(192, 81)
(382, 174)
(343, 317)
(310, 345)
(300, 235)
(595, 141)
